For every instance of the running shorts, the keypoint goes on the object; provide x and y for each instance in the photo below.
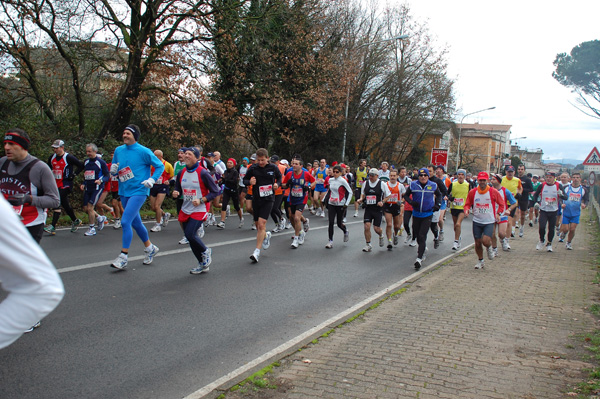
(373, 215)
(480, 230)
(91, 196)
(570, 219)
(262, 208)
(394, 209)
(159, 189)
(456, 212)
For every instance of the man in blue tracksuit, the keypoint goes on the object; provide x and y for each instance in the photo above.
(131, 162)
(426, 199)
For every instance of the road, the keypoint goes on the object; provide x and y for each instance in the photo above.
(158, 332)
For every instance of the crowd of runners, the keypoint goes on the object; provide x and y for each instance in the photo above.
(207, 190)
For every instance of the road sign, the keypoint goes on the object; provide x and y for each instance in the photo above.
(592, 178)
(507, 162)
(439, 156)
(593, 158)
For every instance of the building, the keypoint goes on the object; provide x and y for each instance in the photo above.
(532, 159)
(483, 147)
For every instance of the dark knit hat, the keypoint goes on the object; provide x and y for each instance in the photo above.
(135, 130)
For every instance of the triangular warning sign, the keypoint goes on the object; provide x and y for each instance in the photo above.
(593, 158)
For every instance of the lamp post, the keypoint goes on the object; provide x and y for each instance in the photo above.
(401, 37)
(460, 131)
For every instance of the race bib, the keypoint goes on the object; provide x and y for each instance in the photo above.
(297, 192)
(265, 191)
(371, 199)
(483, 209)
(125, 174)
(334, 200)
(90, 175)
(393, 199)
(189, 194)
(320, 181)
(160, 180)
(550, 200)
(58, 174)
(575, 197)
(458, 201)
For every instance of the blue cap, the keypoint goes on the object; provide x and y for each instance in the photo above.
(424, 170)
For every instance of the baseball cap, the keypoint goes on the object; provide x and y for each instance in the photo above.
(284, 162)
(424, 171)
(374, 171)
(210, 154)
(510, 168)
(548, 173)
(253, 157)
(343, 165)
(274, 158)
(58, 143)
(484, 175)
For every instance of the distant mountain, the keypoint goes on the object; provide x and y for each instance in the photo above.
(565, 161)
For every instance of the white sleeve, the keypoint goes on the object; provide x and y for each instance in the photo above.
(347, 186)
(220, 167)
(27, 275)
(386, 189)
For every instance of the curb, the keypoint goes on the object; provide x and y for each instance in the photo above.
(305, 338)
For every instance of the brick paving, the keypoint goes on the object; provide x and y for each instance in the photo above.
(507, 331)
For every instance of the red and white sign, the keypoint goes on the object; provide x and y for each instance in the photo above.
(439, 156)
(593, 158)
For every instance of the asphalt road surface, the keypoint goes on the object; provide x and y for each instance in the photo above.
(158, 332)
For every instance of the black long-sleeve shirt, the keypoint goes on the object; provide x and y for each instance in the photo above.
(265, 176)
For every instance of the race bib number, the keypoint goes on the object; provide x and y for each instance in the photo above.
(90, 175)
(393, 199)
(189, 194)
(125, 174)
(297, 192)
(575, 197)
(483, 209)
(320, 181)
(371, 199)
(458, 201)
(265, 191)
(550, 200)
(58, 174)
(334, 200)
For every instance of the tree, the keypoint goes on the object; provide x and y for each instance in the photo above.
(580, 71)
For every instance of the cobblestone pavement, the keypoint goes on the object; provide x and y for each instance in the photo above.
(507, 331)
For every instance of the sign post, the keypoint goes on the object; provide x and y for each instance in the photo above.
(439, 156)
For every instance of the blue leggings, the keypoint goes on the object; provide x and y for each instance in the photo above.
(131, 218)
(190, 227)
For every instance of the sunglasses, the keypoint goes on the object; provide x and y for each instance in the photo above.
(423, 175)
(336, 171)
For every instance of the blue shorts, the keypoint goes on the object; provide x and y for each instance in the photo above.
(480, 230)
(444, 205)
(92, 196)
(320, 188)
(570, 219)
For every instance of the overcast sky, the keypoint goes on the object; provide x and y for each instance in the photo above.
(501, 55)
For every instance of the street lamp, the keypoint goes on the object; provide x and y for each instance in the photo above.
(401, 37)
(460, 131)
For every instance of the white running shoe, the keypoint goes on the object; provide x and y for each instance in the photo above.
(381, 241)
(253, 225)
(549, 247)
(91, 232)
(367, 248)
(200, 232)
(255, 255)
(418, 263)
(539, 246)
(495, 252)
(306, 225)
(569, 246)
(117, 224)
(184, 241)
(505, 246)
(150, 252)
(507, 243)
(521, 230)
(221, 225)
(480, 264)
(282, 224)
(100, 221)
(396, 238)
(295, 242)
(301, 237)
(455, 246)
(323, 213)
(241, 223)
(413, 243)
(329, 245)
(407, 239)
(165, 219)
(276, 229)
(157, 227)
(318, 213)
(490, 253)
(356, 214)
(267, 241)
(288, 225)
(344, 220)
(121, 262)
